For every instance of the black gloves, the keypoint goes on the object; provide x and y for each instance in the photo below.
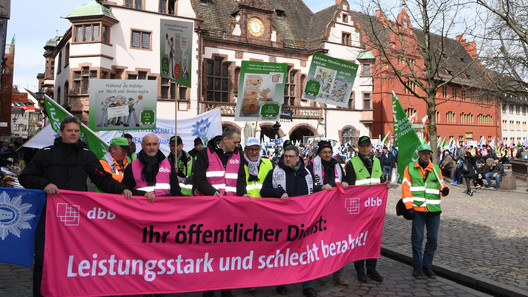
(445, 191)
(409, 214)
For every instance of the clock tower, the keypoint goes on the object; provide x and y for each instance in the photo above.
(255, 18)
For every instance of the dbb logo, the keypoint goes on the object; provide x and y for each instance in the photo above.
(371, 202)
(99, 214)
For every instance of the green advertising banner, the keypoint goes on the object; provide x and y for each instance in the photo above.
(123, 104)
(260, 91)
(405, 138)
(176, 50)
(330, 80)
(56, 113)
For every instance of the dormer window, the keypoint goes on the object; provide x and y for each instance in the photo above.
(345, 18)
(91, 33)
(280, 13)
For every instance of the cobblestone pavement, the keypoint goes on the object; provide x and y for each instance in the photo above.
(485, 235)
(15, 281)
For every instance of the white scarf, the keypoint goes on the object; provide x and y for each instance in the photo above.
(253, 167)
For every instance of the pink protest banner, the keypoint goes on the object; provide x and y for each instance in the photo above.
(103, 245)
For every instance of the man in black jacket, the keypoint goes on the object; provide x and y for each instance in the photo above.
(387, 163)
(64, 165)
(226, 148)
(289, 179)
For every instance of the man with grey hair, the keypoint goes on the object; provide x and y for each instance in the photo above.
(218, 169)
(64, 165)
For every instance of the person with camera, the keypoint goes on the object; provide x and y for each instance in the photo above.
(422, 189)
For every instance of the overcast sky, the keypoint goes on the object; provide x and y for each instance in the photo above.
(34, 22)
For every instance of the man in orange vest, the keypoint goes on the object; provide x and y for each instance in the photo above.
(116, 161)
(422, 188)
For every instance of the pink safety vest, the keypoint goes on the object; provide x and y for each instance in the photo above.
(162, 186)
(223, 180)
(318, 171)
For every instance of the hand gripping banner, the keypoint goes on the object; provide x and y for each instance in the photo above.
(103, 245)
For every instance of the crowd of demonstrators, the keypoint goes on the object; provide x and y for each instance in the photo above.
(473, 164)
(224, 168)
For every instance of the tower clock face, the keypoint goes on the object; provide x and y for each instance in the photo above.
(255, 26)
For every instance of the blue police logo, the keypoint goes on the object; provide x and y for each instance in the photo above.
(13, 215)
(201, 128)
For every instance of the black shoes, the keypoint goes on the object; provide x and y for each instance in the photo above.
(281, 289)
(362, 277)
(417, 274)
(310, 292)
(428, 272)
(375, 275)
(224, 293)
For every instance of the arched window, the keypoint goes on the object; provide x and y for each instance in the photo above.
(349, 135)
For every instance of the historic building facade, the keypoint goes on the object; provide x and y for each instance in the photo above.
(465, 109)
(514, 122)
(120, 40)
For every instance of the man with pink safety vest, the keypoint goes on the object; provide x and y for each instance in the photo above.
(219, 172)
(151, 174)
(218, 169)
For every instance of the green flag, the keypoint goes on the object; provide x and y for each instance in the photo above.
(442, 143)
(386, 138)
(56, 113)
(405, 136)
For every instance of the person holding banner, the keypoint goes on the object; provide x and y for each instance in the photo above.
(116, 160)
(184, 164)
(151, 174)
(217, 172)
(327, 173)
(422, 188)
(364, 169)
(325, 170)
(289, 178)
(64, 165)
(256, 168)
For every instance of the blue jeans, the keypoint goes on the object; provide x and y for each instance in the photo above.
(431, 220)
(360, 265)
(307, 285)
(387, 173)
(489, 175)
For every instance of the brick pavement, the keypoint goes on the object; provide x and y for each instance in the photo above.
(485, 235)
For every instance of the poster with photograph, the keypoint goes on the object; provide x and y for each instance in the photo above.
(175, 51)
(330, 80)
(122, 104)
(260, 91)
